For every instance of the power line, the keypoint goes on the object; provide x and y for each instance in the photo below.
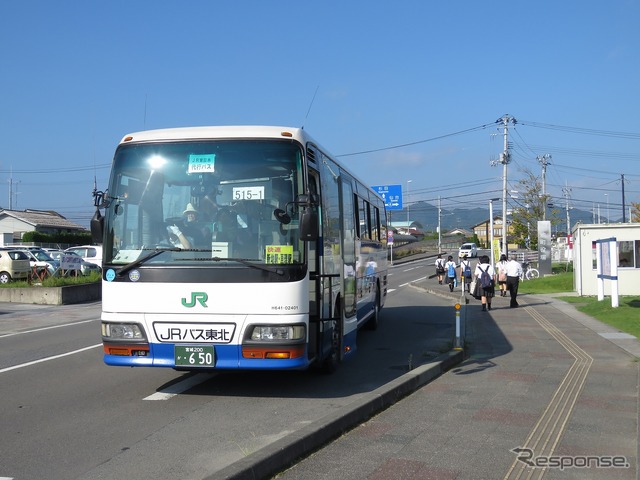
(481, 127)
(583, 131)
(61, 170)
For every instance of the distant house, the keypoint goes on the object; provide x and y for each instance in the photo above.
(481, 230)
(407, 228)
(15, 223)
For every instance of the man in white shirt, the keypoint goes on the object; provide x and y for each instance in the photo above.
(514, 270)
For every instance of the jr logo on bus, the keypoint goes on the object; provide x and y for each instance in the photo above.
(199, 297)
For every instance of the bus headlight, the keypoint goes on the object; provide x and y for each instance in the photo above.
(278, 332)
(122, 331)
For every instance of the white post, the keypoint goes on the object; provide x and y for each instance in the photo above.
(613, 256)
(493, 260)
(600, 280)
(458, 340)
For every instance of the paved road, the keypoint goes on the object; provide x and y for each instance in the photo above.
(65, 415)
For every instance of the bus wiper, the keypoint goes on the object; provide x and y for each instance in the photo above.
(247, 262)
(149, 256)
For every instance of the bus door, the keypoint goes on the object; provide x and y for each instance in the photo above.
(329, 250)
(349, 271)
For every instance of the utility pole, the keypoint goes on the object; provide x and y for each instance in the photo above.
(11, 194)
(623, 214)
(505, 158)
(567, 193)
(544, 160)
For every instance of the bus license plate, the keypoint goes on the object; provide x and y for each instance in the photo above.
(194, 356)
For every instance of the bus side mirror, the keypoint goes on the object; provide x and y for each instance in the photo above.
(309, 222)
(309, 229)
(97, 228)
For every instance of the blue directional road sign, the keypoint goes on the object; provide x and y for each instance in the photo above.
(391, 194)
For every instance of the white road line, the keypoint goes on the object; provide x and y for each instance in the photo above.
(179, 387)
(15, 367)
(47, 328)
(412, 281)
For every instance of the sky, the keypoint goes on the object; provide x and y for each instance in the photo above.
(404, 93)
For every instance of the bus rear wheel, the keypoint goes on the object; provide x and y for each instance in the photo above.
(374, 322)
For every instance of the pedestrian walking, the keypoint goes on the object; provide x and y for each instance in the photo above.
(465, 273)
(440, 268)
(514, 270)
(450, 268)
(486, 277)
(501, 270)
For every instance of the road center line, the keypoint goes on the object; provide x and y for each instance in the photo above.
(46, 328)
(15, 367)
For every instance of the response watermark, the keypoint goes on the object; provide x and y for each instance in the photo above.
(562, 462)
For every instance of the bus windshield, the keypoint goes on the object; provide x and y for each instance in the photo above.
(205, 202)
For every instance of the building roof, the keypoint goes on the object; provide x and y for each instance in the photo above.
(459, 231)
(41, 218)
(405, 224)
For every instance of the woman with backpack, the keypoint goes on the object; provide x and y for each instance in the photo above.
(440, 268)
(465, 273)
(450, 269)
(501, 268)
(486, 277)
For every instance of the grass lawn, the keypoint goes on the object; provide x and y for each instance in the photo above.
(626, 317)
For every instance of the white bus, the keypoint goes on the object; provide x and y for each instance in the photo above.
(236, 248)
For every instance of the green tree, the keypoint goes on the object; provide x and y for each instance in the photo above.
(529, 209)
(635, 212)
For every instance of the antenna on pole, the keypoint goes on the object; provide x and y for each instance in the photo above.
(144, 120)
(310, 105)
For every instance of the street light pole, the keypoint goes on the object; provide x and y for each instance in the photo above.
(439, 225)
(607, 195)
(408, 229)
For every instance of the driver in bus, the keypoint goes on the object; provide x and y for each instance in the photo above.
(188, 233)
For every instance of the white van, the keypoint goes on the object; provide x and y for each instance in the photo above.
(468, 249)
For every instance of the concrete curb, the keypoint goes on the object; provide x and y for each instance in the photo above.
(285, 452)
(53, 295)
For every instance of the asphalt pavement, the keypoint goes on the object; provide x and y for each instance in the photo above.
(538, 391)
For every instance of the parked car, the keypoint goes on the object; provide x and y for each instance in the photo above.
(468, 249)
(40, 258)
(89, 253)
(14, 265)
(85, 267)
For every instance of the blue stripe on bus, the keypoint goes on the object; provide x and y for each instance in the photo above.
(226, 357)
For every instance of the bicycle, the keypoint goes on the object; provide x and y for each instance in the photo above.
(528, 272)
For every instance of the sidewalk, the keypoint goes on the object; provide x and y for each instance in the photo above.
(541, 385)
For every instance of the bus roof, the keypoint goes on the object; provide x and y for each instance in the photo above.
(229, 131)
